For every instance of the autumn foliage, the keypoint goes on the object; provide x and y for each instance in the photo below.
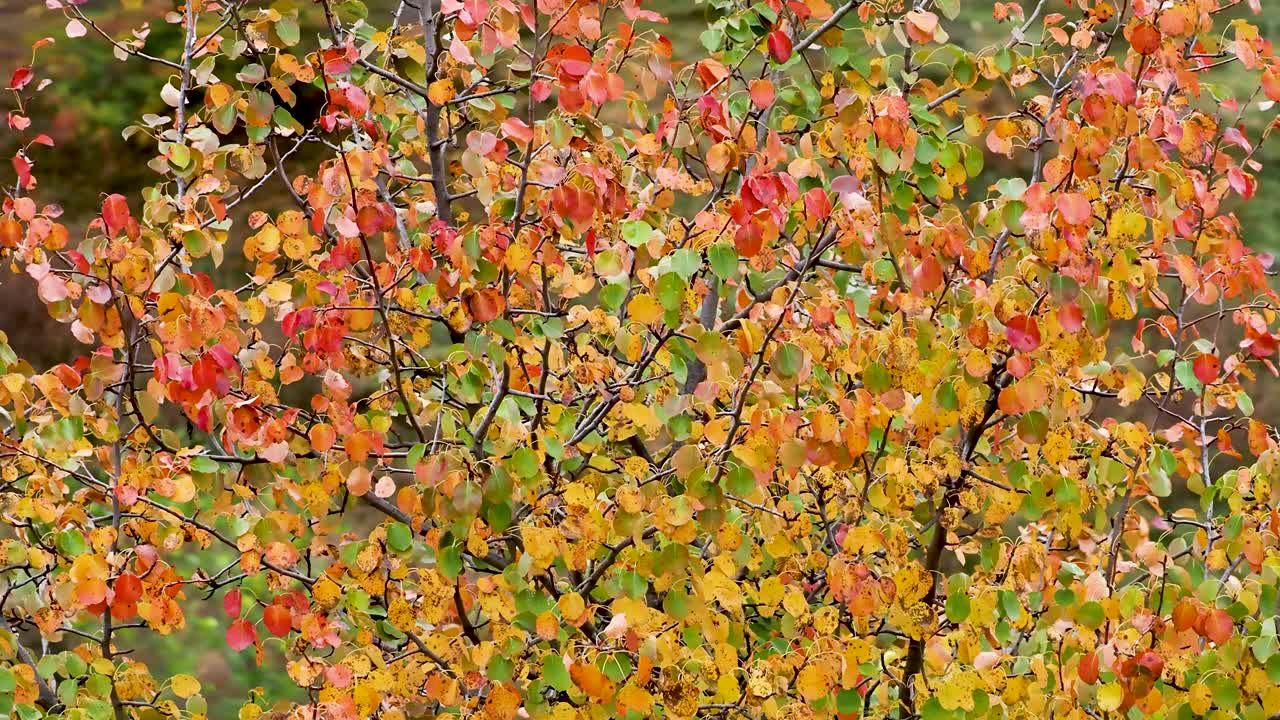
(854, 363)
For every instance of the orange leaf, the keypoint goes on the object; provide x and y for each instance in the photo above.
(761, 93)
(1218, 626)
(1145, 38)
(592, 681)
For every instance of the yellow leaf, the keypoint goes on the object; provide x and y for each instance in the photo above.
(184, 686)
(644, 309)
(814, 681)
(1110, 696)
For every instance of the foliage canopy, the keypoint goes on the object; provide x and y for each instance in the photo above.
(591, 377)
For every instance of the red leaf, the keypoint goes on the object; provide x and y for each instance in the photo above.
(591, 243)
(1071, 317)
(231, 603)
(1075, 208)
(115, 212)
(1145, 38)
(22, 166)
(749, 239)
(1088, 669)
(817, 204)
(1023, 333)
(21, 78)
(779, 46)
(370, 220)
(1206, 368)
(540, 91)
(128, 588)
(1151, 662)
(241, 635)
(278, 619)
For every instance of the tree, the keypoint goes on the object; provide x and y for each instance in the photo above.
(864, 365)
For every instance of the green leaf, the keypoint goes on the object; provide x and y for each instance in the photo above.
(724, 260)
(554, 672)
(876, 378)
(399, 537)
(287, 30)
(787, 360)
(617, 667)
(205, 465)
(450, 560)
(1186, 375)
(71, 542)
(1091, 615)
(1273, 669)
(1226, 694)
(524, 463)
(671, 289)
(500, 669)
(1244, 402)
(636, 232)
(950, 8)
(957, 607)
(8, 683)
(848, 702)
(612, 295)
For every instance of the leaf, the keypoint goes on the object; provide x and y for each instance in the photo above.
(115, 213)
(555, 673)
(636, 232)
(592, 681)
(1023, 333)
(723, 260)
(277, 619)
(1145, 38)
(779, 46)
(21, 78)
(787, 360)
(184, 686)
(1206, 368)
(927, 276)
(921, 25)
(128, 588)
(1071, 317)
(399, 537)
(1110, 696)
(241, 634)
(8, 682)
(957, 607)
(1075, 208)
(484, 305)
(1088, 668)
(231, 603)
(1218, 626)
(1184, 371)
(761, 91)
(359, 480)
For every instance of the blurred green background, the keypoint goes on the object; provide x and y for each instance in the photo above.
(94, 96)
